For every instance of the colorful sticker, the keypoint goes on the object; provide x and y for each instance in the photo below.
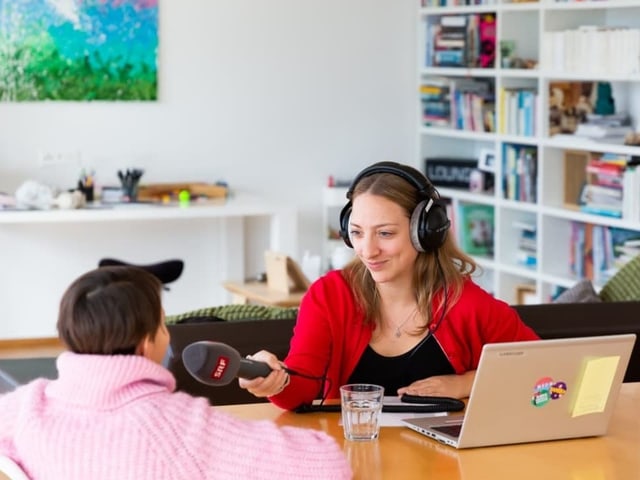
(546, 390)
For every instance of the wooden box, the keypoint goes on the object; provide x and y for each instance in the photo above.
(575, 176)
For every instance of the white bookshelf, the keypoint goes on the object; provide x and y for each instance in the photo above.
(333, 200)
(527, 24)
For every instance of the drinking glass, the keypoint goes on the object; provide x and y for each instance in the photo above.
(361, 410)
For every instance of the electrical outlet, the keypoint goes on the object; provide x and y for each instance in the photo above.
(48, 158)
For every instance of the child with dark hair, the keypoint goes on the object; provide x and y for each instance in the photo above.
(113, 412)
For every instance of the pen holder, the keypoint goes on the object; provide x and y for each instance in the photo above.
(130, 191)
(86, 190)
(130, 181)
(88, 193)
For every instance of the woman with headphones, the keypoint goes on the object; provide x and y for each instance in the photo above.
(404, 314)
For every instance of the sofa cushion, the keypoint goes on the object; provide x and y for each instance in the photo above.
(233, 313)
(581, 292)
(625, 283)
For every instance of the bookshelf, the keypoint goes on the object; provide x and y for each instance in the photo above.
(538, 46)
(333, 200)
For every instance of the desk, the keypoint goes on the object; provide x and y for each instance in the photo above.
(41, 252)
(259, 292)
(400, 453)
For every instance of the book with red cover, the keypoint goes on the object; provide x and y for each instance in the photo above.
(487, 37)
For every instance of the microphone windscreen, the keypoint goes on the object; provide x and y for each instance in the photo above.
(211, 363)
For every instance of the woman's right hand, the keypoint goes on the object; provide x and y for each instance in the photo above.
(270, 385)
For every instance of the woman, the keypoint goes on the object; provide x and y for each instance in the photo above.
(113, 413)
(404, 314)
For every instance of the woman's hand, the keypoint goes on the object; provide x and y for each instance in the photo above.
(270, 385)
(454, 386)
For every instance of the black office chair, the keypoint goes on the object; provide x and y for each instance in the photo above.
(166, 271)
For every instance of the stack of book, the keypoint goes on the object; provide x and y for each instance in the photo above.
(603, 192)
(460, 103)
(435, 95)
(449, 42)
(462, 41)
(605, 128)
(526, 253)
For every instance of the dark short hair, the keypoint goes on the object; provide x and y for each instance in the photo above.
(110, 310)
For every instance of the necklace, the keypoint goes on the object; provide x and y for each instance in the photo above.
(398, 332)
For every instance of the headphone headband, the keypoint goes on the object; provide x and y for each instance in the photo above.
(429, 223)
(422, 184)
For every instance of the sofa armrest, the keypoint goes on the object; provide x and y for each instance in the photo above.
(567, 320)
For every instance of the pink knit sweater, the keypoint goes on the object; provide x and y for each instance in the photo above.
(112, 417)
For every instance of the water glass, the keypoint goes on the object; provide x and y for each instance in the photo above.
(361, 410)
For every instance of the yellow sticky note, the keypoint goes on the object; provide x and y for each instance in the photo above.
(595, 385)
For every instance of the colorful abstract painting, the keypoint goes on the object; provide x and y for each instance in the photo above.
(78, 50)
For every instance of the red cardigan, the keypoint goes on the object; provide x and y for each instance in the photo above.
(330, 335)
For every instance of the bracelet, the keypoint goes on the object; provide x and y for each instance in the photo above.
(286, 383)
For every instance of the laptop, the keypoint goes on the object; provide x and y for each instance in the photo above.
(537, 391)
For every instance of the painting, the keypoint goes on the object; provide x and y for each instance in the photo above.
(78, 50)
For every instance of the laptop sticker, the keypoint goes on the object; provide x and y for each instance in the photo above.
(546, 390)
(595, 385)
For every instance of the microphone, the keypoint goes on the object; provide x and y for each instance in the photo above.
(217, 364)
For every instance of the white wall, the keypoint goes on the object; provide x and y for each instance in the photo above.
(272, 97)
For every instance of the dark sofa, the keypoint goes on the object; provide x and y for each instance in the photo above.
(554, 320)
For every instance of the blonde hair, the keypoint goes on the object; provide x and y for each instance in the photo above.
(447, 267)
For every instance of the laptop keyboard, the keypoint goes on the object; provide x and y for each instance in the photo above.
(451, 430)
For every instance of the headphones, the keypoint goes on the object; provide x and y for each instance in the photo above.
(429, 223)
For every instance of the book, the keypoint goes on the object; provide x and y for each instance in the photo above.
(476, 228)
(519, 169)
(602, 131)
(487, 40)
(526, 258)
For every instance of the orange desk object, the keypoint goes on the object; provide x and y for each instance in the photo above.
(401, 453)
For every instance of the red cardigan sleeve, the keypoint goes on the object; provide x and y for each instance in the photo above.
(328, 340)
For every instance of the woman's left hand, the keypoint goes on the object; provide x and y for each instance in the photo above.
(455, 386)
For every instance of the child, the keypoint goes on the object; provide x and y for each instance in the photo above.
(113, 413)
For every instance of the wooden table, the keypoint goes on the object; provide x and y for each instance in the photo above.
(402, 454)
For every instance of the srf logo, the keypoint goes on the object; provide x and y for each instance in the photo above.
(221, 365)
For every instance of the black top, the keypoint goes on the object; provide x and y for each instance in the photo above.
(424, 360)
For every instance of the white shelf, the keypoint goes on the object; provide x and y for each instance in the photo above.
(240, 205)
(527, 23)
(333, 200)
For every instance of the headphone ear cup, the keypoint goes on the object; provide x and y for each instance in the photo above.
(436, 226)
(415, 229)
(345, 213)
(429, 227)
